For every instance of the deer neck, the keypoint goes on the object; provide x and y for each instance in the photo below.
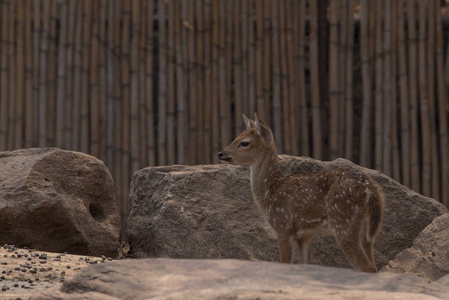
(264, 174)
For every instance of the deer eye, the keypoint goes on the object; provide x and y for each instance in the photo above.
(244, 144)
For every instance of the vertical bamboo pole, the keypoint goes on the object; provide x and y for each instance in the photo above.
(171, 143)
(404, 97)
(125, 105)
(299, 27)
(334, 83)
(112, 73)
(84, 97)
(237, 68)
(442, 104)
(19, 79)
(208, 153)
(316, 107)
(276, 78)
(151, 139)
(267, 92)
(430, 66)
(260, 101)
(36, 35)
(43, 74)
(52, 66)
(61, 74)
(292, 80)
(342, 56)
(379, 111)
(134, 85)
(413, 72)
(228, 92)
(77, 76)
(215, 80)
(199, 78)
(94, 95)
(28, 100)
(102, 90)
(349, 106)
(251, 58)
(286, 129)
(365, 136)
(424, 102)
(162, 101)
(70, 60)
(4, 75)
(386, 164)
(245, 56)
(193, 117)
(143, 134)
(12, 58)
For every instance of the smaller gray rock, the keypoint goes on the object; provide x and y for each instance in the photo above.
(429, 255)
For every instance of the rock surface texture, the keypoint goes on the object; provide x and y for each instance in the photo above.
(236, 279)
(56, 200)
(429, 255)
(208, 212)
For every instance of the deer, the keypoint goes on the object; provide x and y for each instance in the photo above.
(342, 202)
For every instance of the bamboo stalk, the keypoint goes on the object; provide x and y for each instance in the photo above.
(251, 59)
(267, 92)
(349, 105)
(134, 85)
(125, 107)
(94, 96)
(316, 107)
(334, 81)
(396, 161)
(36, 33)
(292, 81)
(61, 74)
(69, 87)
(84, 110)
(193, 117)
(365, 140)
(424, 103)
(227, 46)
(404, 97)
(110, 78)
(260, 101)
(378, 96)
(28, 109)
(151, 139)
(12, 72)
(215, 81)
(341, 90)
(143, 134)
(386, 164)
(43, 74)
(4, 75)
(299, 17)
(276, 79)
(237, 68)
(208, 153)
(442, 104)
(245, 56)
(286, 129)
(77, 76)
(162, 109)
(20, 76)
(51, 124)
(171, 144)
(102, 90)
(430, 65)
(199, 76)
(413, 71)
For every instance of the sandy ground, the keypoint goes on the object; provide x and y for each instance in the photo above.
(24, 272)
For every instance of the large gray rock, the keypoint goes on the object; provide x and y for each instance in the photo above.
(56, 200)
(429, 255)
(237, 279)
(208, 212)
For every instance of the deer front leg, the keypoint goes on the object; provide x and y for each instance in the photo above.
(304, 244)
(285, 248)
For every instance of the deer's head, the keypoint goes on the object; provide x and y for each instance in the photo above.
(254, 142)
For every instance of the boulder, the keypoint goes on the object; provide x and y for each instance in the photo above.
(59, 201)
(429, 255)
(237, 279)
(208, 212)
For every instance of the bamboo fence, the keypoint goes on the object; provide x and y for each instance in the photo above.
(141, 83)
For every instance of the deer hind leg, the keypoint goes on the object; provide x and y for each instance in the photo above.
(367, 240)
(350, 231)
(285, 247)
(304, 245)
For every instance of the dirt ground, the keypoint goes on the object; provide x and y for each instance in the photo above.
(24, 272)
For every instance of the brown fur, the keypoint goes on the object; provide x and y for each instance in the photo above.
(343, 202)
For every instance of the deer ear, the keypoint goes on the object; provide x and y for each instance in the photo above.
(263, 129)
(249, 123)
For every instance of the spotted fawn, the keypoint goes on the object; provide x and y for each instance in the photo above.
(342, 202)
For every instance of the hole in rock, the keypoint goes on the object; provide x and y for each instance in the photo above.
(96, 211)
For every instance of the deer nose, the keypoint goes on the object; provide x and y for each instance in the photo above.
(220, 155)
